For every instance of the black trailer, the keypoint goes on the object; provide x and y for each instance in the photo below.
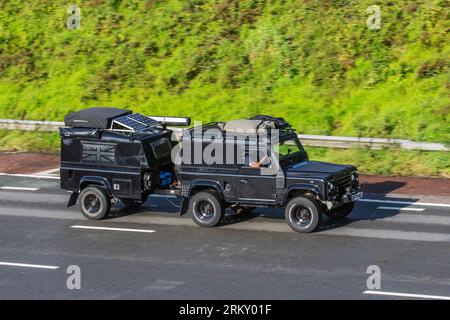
(111, 154)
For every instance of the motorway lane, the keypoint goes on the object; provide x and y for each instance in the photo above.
(245, 259)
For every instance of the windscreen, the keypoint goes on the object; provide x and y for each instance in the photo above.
(289, 151)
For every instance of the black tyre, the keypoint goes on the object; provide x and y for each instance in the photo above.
(242, 209)
(95, 203)
(207, 209)
(341, 212)
(303, 214)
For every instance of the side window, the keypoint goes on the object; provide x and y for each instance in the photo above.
(253, 159)
(249, 158)
(161, 148)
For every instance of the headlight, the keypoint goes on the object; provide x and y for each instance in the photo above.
(331, 186)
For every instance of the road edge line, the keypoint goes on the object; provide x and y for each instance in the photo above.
(406, 295)
(27, 265)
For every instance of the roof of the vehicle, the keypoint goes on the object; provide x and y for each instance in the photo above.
(97, 117)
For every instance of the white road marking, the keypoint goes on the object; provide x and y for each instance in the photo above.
(113, 229)
(429, 204)
(406, 295)
(388, 234)
(29, 176)
(421, 219)
(26, 265)
(55, 170)
(19, 188)
(164, 285)
(401, 209)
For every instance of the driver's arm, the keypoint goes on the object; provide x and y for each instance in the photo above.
(264, 162)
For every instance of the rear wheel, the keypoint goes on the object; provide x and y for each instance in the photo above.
(207, 209)
(303, 214)
(95, 203)
(340, 212)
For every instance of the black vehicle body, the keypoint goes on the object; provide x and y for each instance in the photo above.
(330, 184)
(112, 154)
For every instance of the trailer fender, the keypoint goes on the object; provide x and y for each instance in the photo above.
(100, 181)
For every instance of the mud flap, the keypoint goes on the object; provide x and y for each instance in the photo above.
(184, 206)
(73, 199)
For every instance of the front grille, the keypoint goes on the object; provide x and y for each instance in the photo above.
(343, 180)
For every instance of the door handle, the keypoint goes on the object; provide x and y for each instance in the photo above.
(244, 181)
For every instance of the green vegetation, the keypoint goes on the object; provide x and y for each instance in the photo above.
(388, 162)
(16, 140)
(313, 62)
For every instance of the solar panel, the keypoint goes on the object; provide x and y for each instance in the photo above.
(135, 121)
(143, 119)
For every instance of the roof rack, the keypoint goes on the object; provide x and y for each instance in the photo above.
(279, 123)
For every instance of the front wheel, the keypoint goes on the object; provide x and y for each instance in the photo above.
(207, 209)
(95, 203)
(303, 214)
(340, 212)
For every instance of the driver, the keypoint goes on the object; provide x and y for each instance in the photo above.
(263, 163)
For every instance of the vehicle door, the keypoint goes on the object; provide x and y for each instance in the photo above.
(256, 184)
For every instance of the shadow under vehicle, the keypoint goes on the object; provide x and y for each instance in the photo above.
(110, 155)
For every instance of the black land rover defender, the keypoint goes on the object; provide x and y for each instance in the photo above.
(279, 175)
(111, 154)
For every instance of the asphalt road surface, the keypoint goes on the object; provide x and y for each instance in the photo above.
(152, 253)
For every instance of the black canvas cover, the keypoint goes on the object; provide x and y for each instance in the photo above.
(79, 132)
(98, 117)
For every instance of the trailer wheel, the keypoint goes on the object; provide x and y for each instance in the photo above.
(207, 209)
(95, 203)
(340, 212)
(303, 214)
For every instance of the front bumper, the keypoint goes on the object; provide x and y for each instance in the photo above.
(340, 200)
(352, 197)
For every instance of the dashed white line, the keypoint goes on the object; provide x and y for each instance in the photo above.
(388, 234)
(406, 295)
(429, 204)
(421, 219)
(401, 209)
(29, 176)
(26, 265)
(19, 188)
(113, 229)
